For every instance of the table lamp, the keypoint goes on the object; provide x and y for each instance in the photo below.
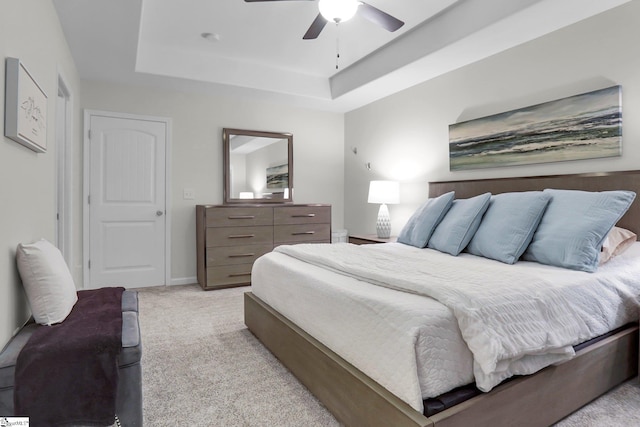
(384, 192)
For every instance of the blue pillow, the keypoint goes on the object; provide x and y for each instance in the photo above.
(418, 229)
(574, 226)
(508, 225)
(459, 225)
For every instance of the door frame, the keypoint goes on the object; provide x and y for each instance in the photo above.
(87, 185)
(64, 172)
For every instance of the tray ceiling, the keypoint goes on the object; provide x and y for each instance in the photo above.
(256, 49)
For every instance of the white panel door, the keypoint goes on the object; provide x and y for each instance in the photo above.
(127, 202)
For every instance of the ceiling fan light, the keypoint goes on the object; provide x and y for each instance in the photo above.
(338, 10)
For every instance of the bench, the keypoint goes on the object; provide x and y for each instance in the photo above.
(129, 395)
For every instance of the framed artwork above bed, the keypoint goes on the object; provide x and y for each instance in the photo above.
(579, 127)
(278, 176)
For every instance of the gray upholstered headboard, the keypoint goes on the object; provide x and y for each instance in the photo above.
(627, 180)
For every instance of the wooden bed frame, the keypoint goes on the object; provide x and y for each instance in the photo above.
(535, 400)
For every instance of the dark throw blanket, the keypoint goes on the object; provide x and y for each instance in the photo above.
(68, 373)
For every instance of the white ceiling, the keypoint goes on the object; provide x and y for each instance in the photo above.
(260, 52)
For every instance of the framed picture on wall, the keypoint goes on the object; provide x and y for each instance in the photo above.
(579, 127)
(25, 108)
(278, 176)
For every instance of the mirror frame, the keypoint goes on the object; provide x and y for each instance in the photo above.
(226, 132)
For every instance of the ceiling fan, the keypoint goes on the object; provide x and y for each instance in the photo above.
(342, 10)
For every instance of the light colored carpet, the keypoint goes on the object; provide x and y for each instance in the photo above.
(619, 407)
(202, 367)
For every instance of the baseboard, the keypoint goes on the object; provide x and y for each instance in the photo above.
(183, 281)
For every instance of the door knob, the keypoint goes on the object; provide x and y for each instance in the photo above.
(159, 213)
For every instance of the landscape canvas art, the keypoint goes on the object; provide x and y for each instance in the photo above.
(278, 176)
(579, 127)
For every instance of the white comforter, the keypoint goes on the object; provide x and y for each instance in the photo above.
(514, 319)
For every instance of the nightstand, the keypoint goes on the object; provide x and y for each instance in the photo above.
(367, 239)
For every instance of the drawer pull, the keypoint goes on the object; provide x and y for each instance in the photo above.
(241, 236)
(311, 215)
(241, 217)
(303, 232)
(240, 255)
(239, 274)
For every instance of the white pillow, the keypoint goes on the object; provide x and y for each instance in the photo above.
(617, 241)
(47, 281)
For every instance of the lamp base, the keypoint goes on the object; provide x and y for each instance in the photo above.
(383, 225)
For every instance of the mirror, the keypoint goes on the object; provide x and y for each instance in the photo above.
(258, 166)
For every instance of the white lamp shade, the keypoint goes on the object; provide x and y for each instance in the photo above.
(338, 10)
(384, 192)
(246, 194)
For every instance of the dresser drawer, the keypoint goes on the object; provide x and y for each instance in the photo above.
(240, 216)
(229, 255)
(302, 215)
(229, 275)
(239, 236)
(300, 233)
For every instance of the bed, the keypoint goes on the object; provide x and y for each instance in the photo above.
(538, 399)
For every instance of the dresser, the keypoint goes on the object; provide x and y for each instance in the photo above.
(231, 237)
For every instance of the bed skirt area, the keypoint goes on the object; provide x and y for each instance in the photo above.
(356, 400)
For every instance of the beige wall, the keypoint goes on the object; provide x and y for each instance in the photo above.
(30, 31)
(197, 121)
(405, 136)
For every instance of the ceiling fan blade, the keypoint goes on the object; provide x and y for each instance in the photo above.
(379, 17)
(316, 27)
